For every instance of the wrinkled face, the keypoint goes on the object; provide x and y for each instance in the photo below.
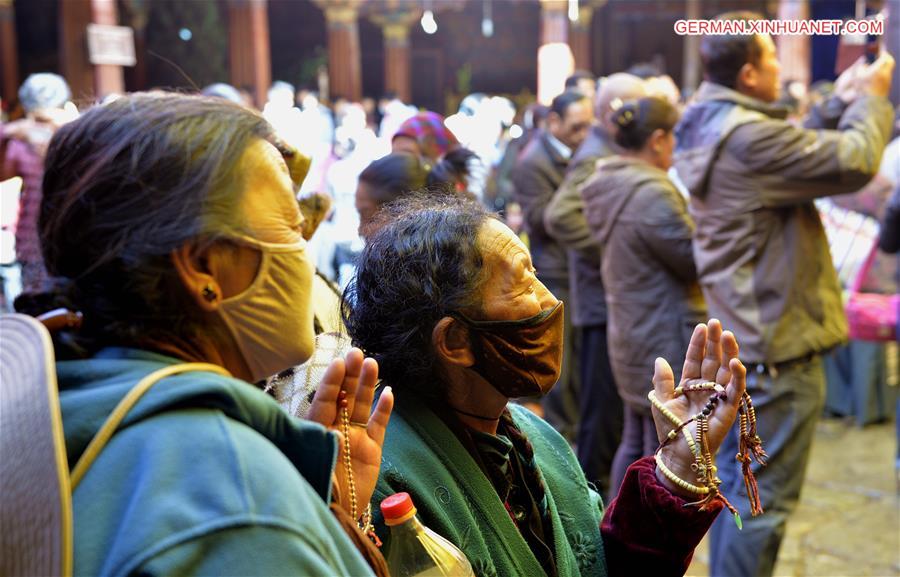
(510, 289)
(366, 206)
(270, 209)
(573, 127)
(764, 82)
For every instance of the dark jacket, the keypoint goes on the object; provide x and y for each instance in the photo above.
(564, 220)
(653, 298)
(760, 248)
(536, 176)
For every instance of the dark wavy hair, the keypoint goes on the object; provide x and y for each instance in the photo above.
(421, 265)
(124, 186)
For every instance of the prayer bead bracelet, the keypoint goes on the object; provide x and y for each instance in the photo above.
(678, 480)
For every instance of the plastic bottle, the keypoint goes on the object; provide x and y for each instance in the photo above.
(416, 550)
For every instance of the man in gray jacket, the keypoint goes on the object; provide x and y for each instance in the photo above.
(763, 258)
(600, 408)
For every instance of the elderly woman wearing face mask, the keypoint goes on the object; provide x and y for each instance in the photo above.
(463, 327)
(173, 226)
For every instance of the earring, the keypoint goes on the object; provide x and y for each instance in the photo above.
(209, 293)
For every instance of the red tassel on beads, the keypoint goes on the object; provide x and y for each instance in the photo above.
(750, 447)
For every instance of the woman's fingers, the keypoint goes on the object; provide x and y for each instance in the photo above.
(738, 383)
(353, 361)
(663, 380)
(729, 351)
(712, 361)
(378, 422)
(365, 391)
(693, 359)
(323, 409)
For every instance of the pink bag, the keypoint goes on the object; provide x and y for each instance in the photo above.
(872, 317)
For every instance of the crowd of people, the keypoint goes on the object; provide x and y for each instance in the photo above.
(510, 285)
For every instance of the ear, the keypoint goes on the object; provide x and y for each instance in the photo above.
(191, 262)
(748, 77)
(656, 140)
(554, 121)
(450, 339)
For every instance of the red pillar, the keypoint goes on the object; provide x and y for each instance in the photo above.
(395, 25)
(344, 67)
(9, 57)
(108, 78)
(250, 59)
(396, 61)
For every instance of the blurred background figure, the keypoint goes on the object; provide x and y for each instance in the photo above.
(424, 135)
(223, 90)
(537, 176)
(584, 82)
(279, 110)
(400, 173)
(600, 407)
(394, 113)
(23, 147)
(654, 300)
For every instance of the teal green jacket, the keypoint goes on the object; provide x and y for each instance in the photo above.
(423, 457)
(206, 476)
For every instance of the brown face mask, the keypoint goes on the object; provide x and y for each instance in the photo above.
(519, 358)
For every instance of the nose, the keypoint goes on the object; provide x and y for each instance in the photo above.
(545, 297)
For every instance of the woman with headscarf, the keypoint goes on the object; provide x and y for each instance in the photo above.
(424, 135)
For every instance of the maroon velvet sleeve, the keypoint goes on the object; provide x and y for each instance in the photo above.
(647, 530)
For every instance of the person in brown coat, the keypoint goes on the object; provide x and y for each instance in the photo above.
(653, 300)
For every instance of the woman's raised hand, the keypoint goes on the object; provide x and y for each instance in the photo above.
(351, 382)
(712, 356)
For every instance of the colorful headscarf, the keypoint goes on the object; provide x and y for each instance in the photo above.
(428, 130)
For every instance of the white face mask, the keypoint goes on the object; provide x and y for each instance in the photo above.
(272, 321)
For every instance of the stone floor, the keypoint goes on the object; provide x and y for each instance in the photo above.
(848, 520)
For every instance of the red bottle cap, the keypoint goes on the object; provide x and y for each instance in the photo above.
(397, 509)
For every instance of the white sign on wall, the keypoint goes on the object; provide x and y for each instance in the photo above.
(110, 44)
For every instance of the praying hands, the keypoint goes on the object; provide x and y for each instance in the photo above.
(693, 418)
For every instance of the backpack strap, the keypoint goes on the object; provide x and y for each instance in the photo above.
(125, 405)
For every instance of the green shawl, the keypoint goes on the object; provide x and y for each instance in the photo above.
(423, 457)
